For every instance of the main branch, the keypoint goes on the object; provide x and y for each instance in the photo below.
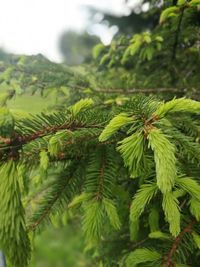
(178, 239)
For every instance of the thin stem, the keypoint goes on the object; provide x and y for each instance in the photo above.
(188, 229)
(138, 90)
(177, 35)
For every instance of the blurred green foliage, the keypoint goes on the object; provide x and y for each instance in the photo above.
(62, 247)
(76, 48)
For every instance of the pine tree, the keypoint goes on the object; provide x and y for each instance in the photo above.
(126, 164)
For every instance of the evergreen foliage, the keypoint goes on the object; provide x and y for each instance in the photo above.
(126, 164)
(13, 234)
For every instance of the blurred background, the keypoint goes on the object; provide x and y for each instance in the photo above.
(59, 29)
(65, 32)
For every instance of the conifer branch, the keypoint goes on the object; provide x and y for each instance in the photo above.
(33, 226)
(47, 211)
(101, 180)
(14, 144)
(188, 229)
(52, 130)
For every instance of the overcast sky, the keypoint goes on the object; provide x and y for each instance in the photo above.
(34, 26)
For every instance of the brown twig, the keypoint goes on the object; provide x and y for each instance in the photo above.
(33, 226)
(188, 229)
(177, 34)
(139, 90)
(174, 91)
(101, 180)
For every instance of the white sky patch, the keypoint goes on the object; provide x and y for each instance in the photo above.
(34, 26)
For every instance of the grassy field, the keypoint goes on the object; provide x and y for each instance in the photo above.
(62, 247)
(28, 103)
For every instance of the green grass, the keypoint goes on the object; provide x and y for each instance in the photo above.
(28, 103)
(62, 247)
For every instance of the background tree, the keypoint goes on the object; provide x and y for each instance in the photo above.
(76, 48)
(138, 17)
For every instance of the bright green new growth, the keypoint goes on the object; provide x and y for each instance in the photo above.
(97, 50)
(159, 235)
(114, 125)
(112, 214)
(93, 220)
(169, 12)
(97, 198)
(132, 150)
(79, 199)
(44, 160)
(92, 177)
(195, 208)
(56, 142)
(142, 255)
(94, 217)
(154, 220)
(164, 154)
(194, 3)
(104, 208)
(13, 233)
(134, 230)
(172, 213)
(178, 105)
(190, 186)
(81, 105)
(196, 238)
(141, 199)
(133, 48)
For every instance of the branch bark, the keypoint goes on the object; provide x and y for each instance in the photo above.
(182, 91)
(137, 90)
(177, 34)
(188, 229)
